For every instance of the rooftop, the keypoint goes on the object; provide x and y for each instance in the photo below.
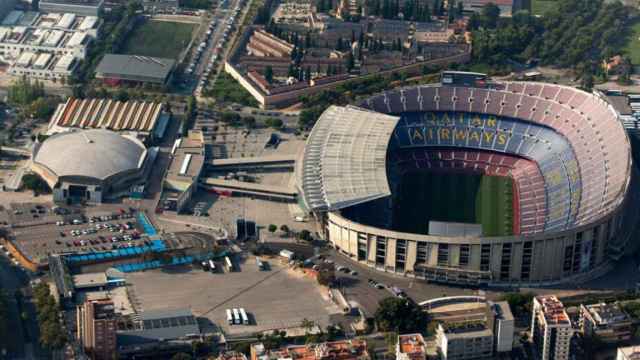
(135, 66)
(606, 314)
(553, 310)
(161, 325)
(344, 161)
(336, 350)
(89, 280)
(413, 345)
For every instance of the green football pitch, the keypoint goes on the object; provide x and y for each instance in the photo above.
(480, 199)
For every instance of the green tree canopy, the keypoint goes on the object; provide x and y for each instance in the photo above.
(401, 315)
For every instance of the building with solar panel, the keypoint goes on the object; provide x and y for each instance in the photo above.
(91, 166)
(133, 69)
(473, 182)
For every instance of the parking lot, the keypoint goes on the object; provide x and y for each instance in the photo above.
(65, 231)
(278, 298)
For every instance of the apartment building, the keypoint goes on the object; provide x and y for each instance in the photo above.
(606, 321)
(96, 325)
(551, 329)
(411, 347)
(334, 350)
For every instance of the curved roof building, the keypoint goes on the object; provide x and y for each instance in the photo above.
(564, 150)
(89, 164)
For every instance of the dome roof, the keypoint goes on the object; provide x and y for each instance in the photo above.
(91, 153)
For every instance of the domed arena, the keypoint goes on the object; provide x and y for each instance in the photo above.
(473, 182)
(90, 165)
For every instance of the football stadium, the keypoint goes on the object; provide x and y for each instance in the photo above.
(473, 182)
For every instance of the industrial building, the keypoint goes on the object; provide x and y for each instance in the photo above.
(470, 327)
(145, 120)
(45, 45)
(133, 69)
(78, 7)
(181, 180)
(606, 321)
(96, 324)
(551, 329)
(91, 166)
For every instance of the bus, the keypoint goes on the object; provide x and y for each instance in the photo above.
(229, 317)
(243, 315)
(236, 317)
(212, 266)
(228, 263)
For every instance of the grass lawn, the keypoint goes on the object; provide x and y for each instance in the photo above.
(486, 200)
(539, 7)
(227, 89)
(632, 48)
(159, 39)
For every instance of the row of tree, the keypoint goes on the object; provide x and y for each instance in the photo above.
(52, 333)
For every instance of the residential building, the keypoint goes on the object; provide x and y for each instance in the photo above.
(606, 321)
(471, 327)
(78, 7)
(628, 353)
(464, 340)
(411, 347)
(503, 326)
(335, 350)
(551, 329)
(96, 325)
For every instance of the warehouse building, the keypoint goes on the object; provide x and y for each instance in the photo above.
(145, 120)
(78, 7)
(116, 69)
(91, 166)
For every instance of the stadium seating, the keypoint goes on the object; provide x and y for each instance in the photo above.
(530, 200)
(579, 146)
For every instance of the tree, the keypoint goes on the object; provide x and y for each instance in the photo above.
(401, 315)
(249, 122)
(305, 235)
(285, 229)
(181, 356)
(35, 183)
(307, 325)
(275, 123)
(520, 303)
(268, 74)
(326, 274)
(122, 95)
(491, 14)
(272, 228)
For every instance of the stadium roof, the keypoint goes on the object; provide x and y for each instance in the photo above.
(344, 162)
(96, 154)
(134, 67)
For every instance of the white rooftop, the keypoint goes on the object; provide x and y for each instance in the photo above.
(345, 158)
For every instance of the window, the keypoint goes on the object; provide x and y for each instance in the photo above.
(485, 257)
(443, 254)
(527, 253)
(422, 253)
(505, 261)
(401, 254)
(464, 255)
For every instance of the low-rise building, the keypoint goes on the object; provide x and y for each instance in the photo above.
(334, 350)
(505, 6)
(46, 45)
(551, 329)
(79, 7)
(606, 321)
(263, 44)
(96, 323)
(464, 340)
(115, 69)
(411, 347)
(181, 180)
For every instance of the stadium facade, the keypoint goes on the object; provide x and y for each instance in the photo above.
(564, 150)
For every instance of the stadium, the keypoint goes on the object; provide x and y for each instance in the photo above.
(473, 182)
